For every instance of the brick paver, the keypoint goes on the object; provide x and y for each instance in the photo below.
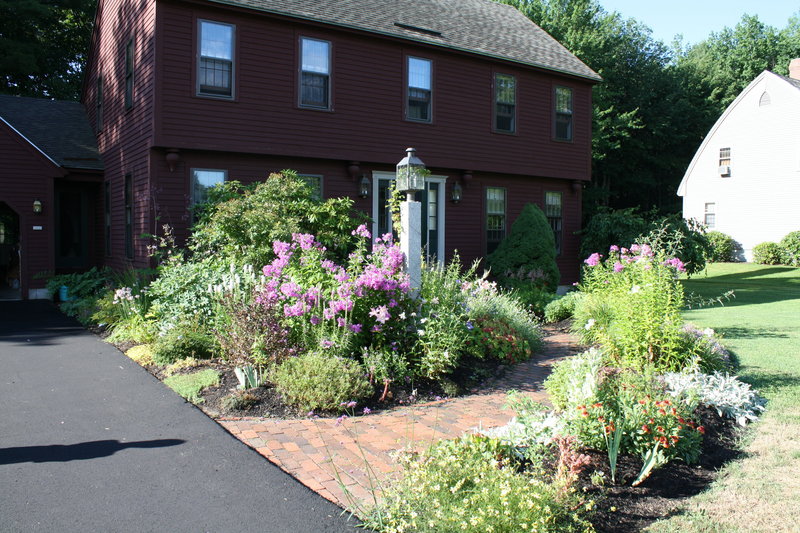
(358, 453)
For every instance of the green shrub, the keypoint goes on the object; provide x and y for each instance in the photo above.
(485, 300)
(141, 354)
(182, 291)
(251, 334)
(768, 253)
(528, 252)
(241, 222)
(723, 247)
(562, 307)
(790, 247)
(674, 236)
(490, 337)
(190, 385)
(321, 381)
(81, 285)
(638, 301)
(185, 340)
(467, 485)
(612, 227)
(535, 298)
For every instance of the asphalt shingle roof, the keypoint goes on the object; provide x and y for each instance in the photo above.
(60, 129)
(793, 82)
(479, 26)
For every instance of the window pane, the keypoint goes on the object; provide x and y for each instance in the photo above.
(505, 89)
(314, 89)
(563, 100)
(216, 40)
(315, 56)
(563, 127)
(215, 76)
(202, 180)
(419, 73)
(315, 182)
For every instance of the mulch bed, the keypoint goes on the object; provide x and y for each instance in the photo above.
(619, 508)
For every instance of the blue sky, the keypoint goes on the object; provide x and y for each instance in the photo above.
(696, 19)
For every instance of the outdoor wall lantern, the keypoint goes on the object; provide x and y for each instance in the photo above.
(455, 196)
(363, 187)
(173, 157)
(410, 174)
(37, 206)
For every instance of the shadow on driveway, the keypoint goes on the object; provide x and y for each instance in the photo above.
(59, 453)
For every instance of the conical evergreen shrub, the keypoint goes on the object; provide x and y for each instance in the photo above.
(527, 253)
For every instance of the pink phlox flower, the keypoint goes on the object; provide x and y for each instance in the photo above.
(325, 343)
(328, 313)
(281, 248)
(312, 295)
(362, 231)
(635, 248)
(367, 410)
(296, 309)
(392, 302)
(341, 322)
(593, 260)
(329, 265)
(647, 251)
(614, 248)
(341, 276)
(381, 313)
(623, 251)
(387, 237)
(315, 320)
(305, 240)
(291, 289)
(355, 328)
(618, 267)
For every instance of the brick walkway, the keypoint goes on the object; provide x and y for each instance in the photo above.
(319, 451)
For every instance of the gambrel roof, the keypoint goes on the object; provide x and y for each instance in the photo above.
(58, 129)
(752, 85)
(481, 27)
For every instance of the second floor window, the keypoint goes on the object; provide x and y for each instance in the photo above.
(98, 113)
(315, 73)
(563, 126)
(129, 64)
(710, 218)
(215, 72)
(724, 161)
(419, 85)
(505, 103)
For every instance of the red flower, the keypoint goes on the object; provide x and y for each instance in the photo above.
(598, 404)
(660, 429)
(662, 412)
(701, 430)
(645, 428)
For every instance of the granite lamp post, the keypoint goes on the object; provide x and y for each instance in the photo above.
(410, 179)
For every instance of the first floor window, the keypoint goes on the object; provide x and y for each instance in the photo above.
(215, 72)
(563, 126)
(107, 216)
(553, 210)
(710, 218)
(315, 182)
(315, 73)
(419, 83)
(128, 199)
(202, 180)
(495, 217)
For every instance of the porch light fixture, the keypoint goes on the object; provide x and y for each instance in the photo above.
(173, 157)
(410, 174)
(37, 206)
(455, 196)
(363, 187)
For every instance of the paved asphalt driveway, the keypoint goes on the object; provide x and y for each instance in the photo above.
(89, 441)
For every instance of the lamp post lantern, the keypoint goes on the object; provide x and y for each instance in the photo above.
(410, 179)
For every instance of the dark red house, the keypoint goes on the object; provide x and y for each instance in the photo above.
(184, 93)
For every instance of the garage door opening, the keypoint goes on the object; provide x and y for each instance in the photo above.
(9, 254)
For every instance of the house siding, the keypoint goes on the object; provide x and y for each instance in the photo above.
(26, 175)
(759, 201)
(264, 117)
(127, 135)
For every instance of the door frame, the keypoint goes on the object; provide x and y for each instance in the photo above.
(378, 176)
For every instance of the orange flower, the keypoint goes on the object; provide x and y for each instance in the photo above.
(701, 430)
(645, 428)
(662, 412)
(598, 404)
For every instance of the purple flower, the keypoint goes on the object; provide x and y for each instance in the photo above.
(341, 322)
(367, 410)
(291, 289)
(618, 267)
(376, 328)
(614, 248)
(341, 419)
(355, 328)
(315, 320)
(362, 231)
(635, 248)
(305, 240)
(350, 405)
(325, 343)
(469, 325)
(593, 260)
(281, 248)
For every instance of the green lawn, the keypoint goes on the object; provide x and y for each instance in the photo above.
(761, 325)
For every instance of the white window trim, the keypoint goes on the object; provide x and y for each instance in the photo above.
(378, 176)
(198, 61)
